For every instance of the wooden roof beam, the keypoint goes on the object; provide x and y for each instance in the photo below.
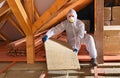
(4, 9)
(24, 21)
(29, 8)
(37, 15)
(47, 15)
(3, 37)
(1, 1)
(20, 15)
(63, 12)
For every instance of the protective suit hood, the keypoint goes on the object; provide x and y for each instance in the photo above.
(72, 12)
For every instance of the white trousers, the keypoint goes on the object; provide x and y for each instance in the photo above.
(88, 41)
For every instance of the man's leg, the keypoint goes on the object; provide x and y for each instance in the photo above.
(90, 46)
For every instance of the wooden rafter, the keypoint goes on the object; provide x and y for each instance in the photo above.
(47, 15)
(20, 15)
(1, 1)
(62, 13)
(29, 8)
(3, 37)
(69, 3)
(10, 19)
(4, 9)
(37, 15)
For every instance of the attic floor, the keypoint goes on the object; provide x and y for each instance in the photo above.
(108, 70)
(23, 70)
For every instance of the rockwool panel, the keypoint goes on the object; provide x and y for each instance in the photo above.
(60, 56)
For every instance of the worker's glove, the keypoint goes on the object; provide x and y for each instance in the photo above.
(75, 50)
(44, 38)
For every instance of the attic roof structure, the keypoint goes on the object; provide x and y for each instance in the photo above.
(23, 20)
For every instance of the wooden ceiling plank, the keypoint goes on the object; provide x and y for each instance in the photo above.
(29, 8)
(47, 15)
(10, 19)
(62, 14)
(4, 9)
(20, 15)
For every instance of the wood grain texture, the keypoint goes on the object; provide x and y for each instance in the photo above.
(99, 18)
(111, 40)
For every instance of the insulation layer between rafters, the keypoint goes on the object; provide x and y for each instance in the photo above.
(43, 18)
(79, 4)
(3, 19)
(15, 25)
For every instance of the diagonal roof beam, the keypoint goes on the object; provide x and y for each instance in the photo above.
(3, 37)
(4, 9)
(53, 9)
(29, 8)
(37, 15)
(1, 1)
(20, 15)
(79, 4)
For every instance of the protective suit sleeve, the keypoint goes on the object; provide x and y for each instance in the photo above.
(56, 30)
(81, 31)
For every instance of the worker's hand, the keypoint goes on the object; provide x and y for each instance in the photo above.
(75, 51)
(44, 38)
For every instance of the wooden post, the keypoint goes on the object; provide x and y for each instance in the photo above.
(30, 48)
(99, 21)
(25, 24)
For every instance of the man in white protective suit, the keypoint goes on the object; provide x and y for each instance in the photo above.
(76, 35)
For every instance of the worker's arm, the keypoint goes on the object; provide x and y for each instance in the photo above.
(54, 30)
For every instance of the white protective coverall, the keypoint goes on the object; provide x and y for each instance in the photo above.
(76, 34)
